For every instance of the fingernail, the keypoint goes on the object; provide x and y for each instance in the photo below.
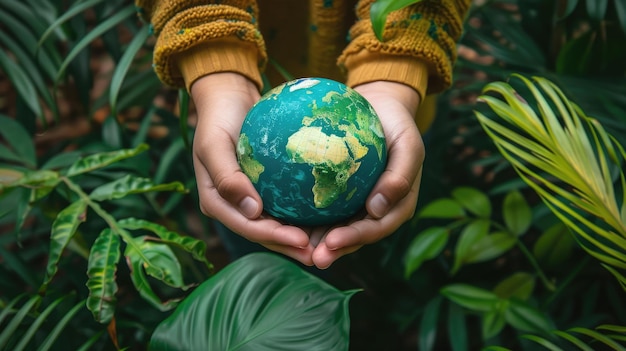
(248, 207)
(379, 205)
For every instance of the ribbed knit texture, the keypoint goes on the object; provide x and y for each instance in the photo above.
(199, 37)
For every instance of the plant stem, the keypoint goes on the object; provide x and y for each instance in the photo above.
(546, 282)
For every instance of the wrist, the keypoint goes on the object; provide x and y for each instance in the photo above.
(404, 94)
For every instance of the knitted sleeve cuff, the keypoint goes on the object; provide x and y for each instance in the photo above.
(365, 67)
(219, 55)
(191, 27)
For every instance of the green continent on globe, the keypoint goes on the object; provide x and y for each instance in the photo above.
(249, 165)
(335, 157)
(331, 160)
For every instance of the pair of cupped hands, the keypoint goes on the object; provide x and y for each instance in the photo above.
(222, 101)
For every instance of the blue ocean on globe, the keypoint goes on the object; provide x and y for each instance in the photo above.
(313, 149)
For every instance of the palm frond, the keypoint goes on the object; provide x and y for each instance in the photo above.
(567, 157)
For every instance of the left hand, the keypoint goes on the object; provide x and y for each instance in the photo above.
(393, 199)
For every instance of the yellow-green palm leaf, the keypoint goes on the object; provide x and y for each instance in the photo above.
(567, 158)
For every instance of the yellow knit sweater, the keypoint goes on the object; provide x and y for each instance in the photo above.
(325, 39)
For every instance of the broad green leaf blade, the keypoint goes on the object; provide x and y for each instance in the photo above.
(555, 246)
(100, 160)
(442, 208)
(158, 261)
(471, 297)
(196, 247)
(596, 9)
(101, 269)
(100, 29)
(526, 318)
(379, 11)
(516, 212)
(457, 326)
(489, 247)
(123, 65)
(425, 246)
(428, 324)
(493, 321)
(519, 285)
(63, 229)
(471, 234)
(260, 302)
(131, 184)
(473, 200)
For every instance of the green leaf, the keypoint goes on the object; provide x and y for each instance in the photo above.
(9, 329)
(196, 247)
(620, 9)
(597, 337)
(442, 208)
(22, 84)
(100, 160)
(471, 234)
(457, 328)
(526, 318)
(74, 10)
(379, 11)
(555, 246)
(425, 246)
(489, 247)
(259, 302)
(62, 160)
(36, 325)
(131, 184)
(543, 342)
(158, 261)
(123, 65)
(428, 324)
(33, 179)
(516, 212)
(100, 29)
(570, 7)
(101, 269)
(493, 321)
(63, 229)
(60, 325)
(596, 9)
(473, 200)
(519, 285)
(471, 297)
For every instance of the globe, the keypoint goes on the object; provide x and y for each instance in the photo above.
(313, 148)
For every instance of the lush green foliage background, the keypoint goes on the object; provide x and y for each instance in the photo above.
(101, 238)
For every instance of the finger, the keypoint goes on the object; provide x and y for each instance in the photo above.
(218, 161)
(406, 155)
(323, 257)
(369, 230)
(302, 255)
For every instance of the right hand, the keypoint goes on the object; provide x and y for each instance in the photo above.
(222, 101)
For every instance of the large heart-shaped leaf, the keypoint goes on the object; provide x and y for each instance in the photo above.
(259, 302)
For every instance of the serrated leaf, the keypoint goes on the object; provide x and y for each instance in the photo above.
(63, 229)
(516, 212)
(100, 160)
(526, 318)
(471, 297)
(519, 285)
(442, 208)
(473, 200)
(425, 246)
(131, 184)
(379, 11)
(101, 270)
(472, 233)
(292, 309)
(196, 247)
(158, 261)
(19, 140)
